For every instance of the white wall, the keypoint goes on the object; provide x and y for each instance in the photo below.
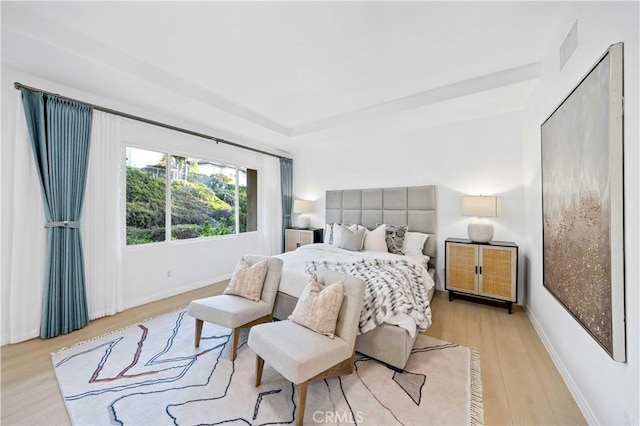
(164, 269)
(191, 265)
(606, 391)
(480, 156)
(161, 270)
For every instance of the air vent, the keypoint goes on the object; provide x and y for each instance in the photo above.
(569, 45)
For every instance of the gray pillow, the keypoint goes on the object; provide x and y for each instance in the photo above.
(330, 231)
(352, 240)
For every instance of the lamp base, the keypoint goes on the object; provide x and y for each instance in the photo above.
(480, 230)
(303, 221)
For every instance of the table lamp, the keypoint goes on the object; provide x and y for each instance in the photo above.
(480, 230)
(303, 207)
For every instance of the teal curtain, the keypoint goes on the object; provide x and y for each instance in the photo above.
(60, 132)
(286, 184)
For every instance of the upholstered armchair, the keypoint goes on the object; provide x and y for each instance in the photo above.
(234, 311)
(301, 354)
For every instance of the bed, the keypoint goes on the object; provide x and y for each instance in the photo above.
(392, 341)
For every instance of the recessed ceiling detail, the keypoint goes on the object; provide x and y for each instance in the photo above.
(285, 69)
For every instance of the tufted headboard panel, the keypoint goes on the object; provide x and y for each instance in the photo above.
(414, 206)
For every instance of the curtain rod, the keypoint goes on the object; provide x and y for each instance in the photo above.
(149, 121)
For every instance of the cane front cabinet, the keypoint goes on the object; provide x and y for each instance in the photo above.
(482, 270)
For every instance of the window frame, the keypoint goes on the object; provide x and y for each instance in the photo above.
(167, 153)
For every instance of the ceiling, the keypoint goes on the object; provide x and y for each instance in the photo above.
(278, 71)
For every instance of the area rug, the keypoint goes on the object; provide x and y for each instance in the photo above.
(150, 374)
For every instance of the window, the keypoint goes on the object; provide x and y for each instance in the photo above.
(146, 200)
(204, 198)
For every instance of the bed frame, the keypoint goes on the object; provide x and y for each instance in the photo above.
(414, 206)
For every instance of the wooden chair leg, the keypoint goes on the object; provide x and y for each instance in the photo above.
(302, 400)
(259, 368)
(234, 346)
(198, 332)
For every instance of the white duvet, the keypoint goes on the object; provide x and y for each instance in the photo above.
(294, 278)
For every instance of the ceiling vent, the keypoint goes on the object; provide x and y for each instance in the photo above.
(569, 45)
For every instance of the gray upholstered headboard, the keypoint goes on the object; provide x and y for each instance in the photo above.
(414, 206)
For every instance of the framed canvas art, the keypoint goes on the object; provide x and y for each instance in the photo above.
(582, 203)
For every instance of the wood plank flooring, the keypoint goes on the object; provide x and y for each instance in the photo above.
(520, 383)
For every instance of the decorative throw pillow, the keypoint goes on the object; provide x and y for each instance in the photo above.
(395, 238)
(338, 230)
(414, 243)
(375, 240)
(352, 240)
(247, 280)
(318, 307)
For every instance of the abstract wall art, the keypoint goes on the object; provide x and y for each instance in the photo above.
(583, 205)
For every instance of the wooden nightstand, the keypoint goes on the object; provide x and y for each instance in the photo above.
(296, 237)
(488, 271)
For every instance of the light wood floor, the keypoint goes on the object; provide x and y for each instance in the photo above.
(520, 382)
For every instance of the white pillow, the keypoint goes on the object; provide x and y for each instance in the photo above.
(375, 240)
(414, 243)
(328, 231)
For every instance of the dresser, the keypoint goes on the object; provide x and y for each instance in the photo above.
(296, 237)
(482, 270)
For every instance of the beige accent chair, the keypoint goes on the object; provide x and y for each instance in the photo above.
(236, 312)
(302, 355)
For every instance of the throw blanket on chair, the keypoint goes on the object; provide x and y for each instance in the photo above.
(395, 289)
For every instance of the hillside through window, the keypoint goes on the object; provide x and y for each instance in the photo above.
(146, 200)
(204, 198)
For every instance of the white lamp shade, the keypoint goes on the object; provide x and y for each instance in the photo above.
(302, 206)
(480, 206)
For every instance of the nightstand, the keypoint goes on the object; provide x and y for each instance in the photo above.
(296, 237)
(482, 270)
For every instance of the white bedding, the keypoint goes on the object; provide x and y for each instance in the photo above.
(294, 278)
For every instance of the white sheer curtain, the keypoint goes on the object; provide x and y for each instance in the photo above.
(272, 210)
(24, 237)
(101, 225)
(25, 245)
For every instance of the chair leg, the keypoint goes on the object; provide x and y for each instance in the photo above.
(199, 323)
(302, 400)
(234, 347)
(259, 368)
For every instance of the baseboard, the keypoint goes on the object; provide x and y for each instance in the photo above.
(588, 414)
(27, 335)
(5, 338)
(174, 291)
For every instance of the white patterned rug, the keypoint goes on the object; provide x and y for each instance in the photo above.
(150, 374)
